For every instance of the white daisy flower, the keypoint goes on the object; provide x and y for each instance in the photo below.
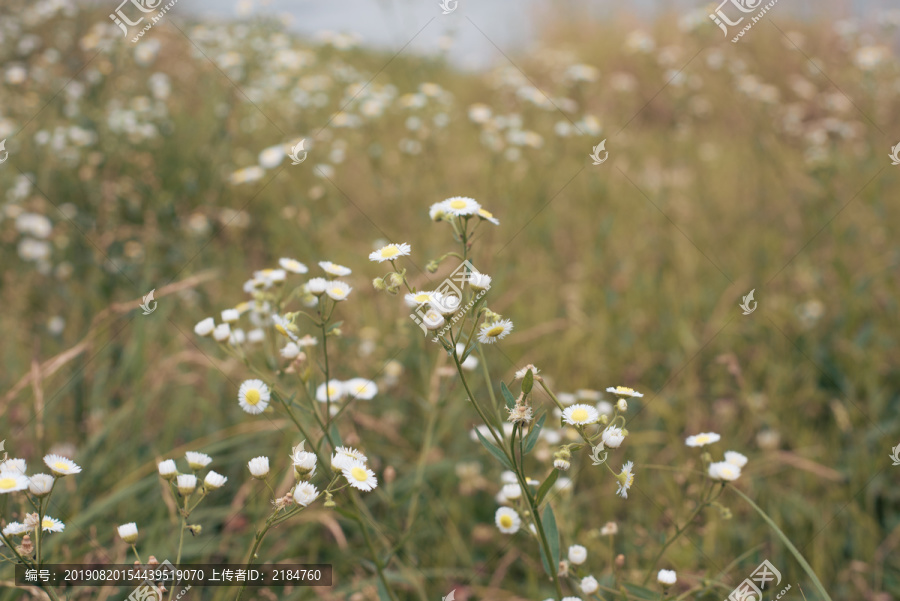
(520, 375)
(14, 465)
(253, 396)
(40, 485)
(197, 461)
(609, 529)
(271, 157)
(214, 480)
(571, 599)
(613, 436)
(389, 252)
(49, 524)
(317, 286)
(307, 340)
(61, 466)
(492, 332)
(471, 361)
(259, 467)
(433, 320)
(256, 336)
(359, 476)
(566, 398)
(461, 206)
(285, 328)
(488, 216)
(589, 585)
(167, 469)
(12, 482)
(346, 456)
(666, 577)
(626, 479)
(15, 529)
(624, 391)
(230, 315)
(580, 415)
(360, 388)
(604, 407)
(446, 304)
(577, 554)
(304, 461)
(511, 491)
(415, 299)
(334, 269)
(735, 458)
(507, 520)
(237, 337)
(334, 391)
(305, 493)
(292, 265)
(699, 440)
(437, 211)
(128, 532)
(479, 281)
(186, 483)
(222, 332)
(290, 351)
(507, 477)
(722, 470)
(205, 327)
(338, 290)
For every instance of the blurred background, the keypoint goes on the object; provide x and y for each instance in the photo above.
(757, 165)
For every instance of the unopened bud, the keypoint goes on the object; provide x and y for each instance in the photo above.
(622, 405)
(396, 280)
(389, 474)
(195, 529)
(378, 284)
(27, 547)
(604, 419)
(431, 267)
(329, 499)
(620, 561)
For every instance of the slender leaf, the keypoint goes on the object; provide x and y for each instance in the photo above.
(510, 399)
(532, 437)
(495, 451)
(336, 436)
(551, 532)
(787, 542)
(547, 563)
(466, 354)
(545, 487)
(528, 382)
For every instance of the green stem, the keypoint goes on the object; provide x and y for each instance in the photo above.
(39, 534)
(378, 567)
(180, 546)
(803, 563)
(668, 543)
(259, 538)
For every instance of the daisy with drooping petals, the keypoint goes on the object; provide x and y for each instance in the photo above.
(346, 456)
(390, 252)
(722, 470)
(128, 532)
(580, 415)
(613, 436)
(205, 327)
(317, 286)
(15, 529)
(626, 479)
(359, 476)
(333, 391)
(360, 388)
(735, 458)
(479, 281)
(167, 469)
(40, 485)
(284, 327)
(259, 467)
(186, 483)
(253, 396)
(292, 265)
(699, 440)
(461, 206)
(492, 332)
(338, 290)
(61, 466)
(488, 216)
(12, 482)
(334, 269)
(214, 480)
(305, 493)
(14, 465)
(589, 585)
(624, 391)
(507, 520)
(433, 320)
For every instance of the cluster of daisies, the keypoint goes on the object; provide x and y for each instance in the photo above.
(254, 395)
(437, 310)
(610, 433)
(346, 461)
(727, 470)
(14, 478)
(188, 483)
(267, 288)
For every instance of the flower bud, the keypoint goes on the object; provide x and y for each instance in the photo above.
(378, 284)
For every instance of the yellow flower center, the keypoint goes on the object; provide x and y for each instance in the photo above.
(703, 439)
(361, 388)
(629, 479)
(7, 483)
(495, 331)
(506, 521)
(485, 213)
(624, 390)
(421, 297)
(46, 523)
(579, 415)
(458, 204)
(359, 474)
(252, 397)
(332, 390)
(337, 291)
(59, 465)
(390, 251)
(281, 329)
